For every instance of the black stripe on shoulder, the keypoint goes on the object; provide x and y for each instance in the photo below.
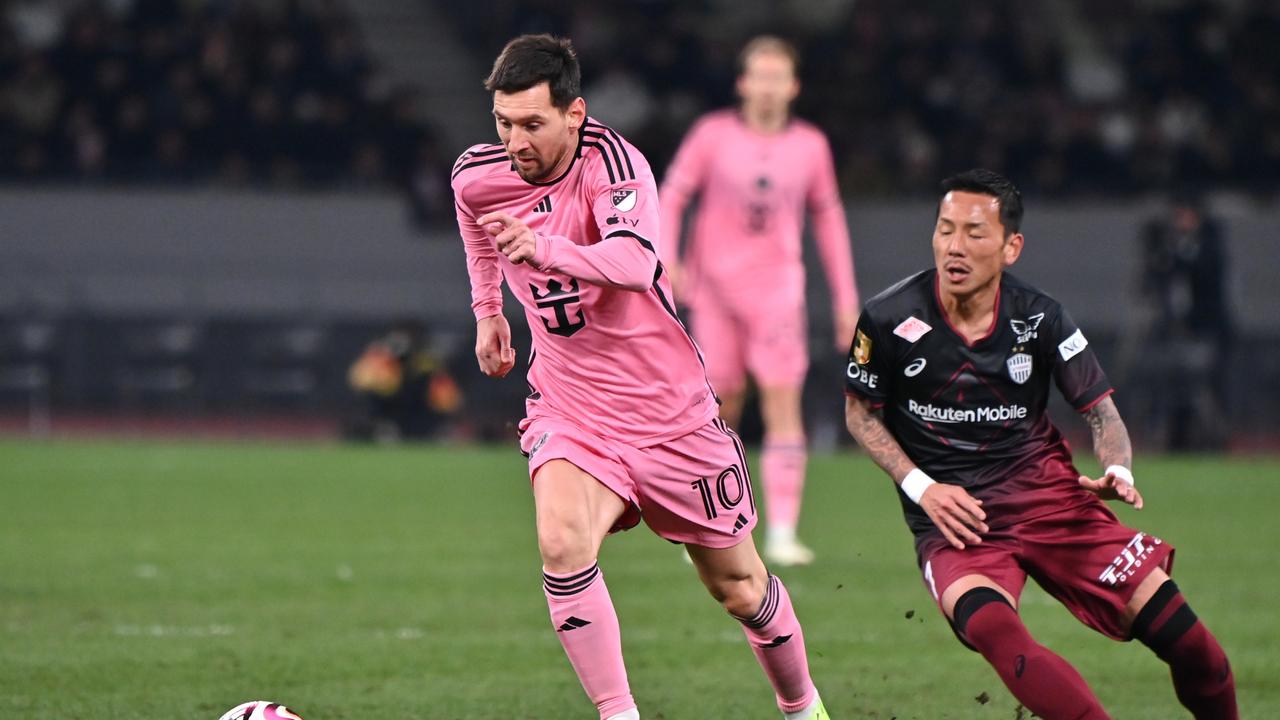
(604, 155)
(640, 239)
(486, 151)
(622, 147)
(477, 163)
(608, 142)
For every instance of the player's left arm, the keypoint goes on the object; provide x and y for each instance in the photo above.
(626, 213)
(1114, 452)
(831, 231)
(1080, 379)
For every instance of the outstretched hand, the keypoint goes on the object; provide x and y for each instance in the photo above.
(1111, 487)
(957, 514)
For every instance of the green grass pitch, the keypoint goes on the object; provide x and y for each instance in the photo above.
(149, 580)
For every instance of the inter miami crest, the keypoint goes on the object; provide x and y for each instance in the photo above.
(1019, 365)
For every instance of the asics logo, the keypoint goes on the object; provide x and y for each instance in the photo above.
(915, 367)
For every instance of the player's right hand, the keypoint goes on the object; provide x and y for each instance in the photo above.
(675, 271)
(493, 346)
(956, 513)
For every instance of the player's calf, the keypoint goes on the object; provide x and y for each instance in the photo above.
(587, 626)
(777, 641)
(1201, 673)
(1042, 681)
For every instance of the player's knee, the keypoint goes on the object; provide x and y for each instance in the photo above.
(972, 634)
(740, 594)
(564, 547)
(1164, 620)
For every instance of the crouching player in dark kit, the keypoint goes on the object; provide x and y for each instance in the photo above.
(947, 385)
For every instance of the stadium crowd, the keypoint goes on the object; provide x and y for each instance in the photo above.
(1121, 97)
(168, 92)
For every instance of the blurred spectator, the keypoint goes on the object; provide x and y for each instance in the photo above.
(1184, 278)
(407, 390)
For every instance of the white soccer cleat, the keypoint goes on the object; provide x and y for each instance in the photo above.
(632, 714)
(787, 553)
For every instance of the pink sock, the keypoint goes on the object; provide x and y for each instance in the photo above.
(583, 616)
(783, 463)
(778, 644)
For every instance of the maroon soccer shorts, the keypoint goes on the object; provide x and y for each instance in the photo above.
(1082, 556)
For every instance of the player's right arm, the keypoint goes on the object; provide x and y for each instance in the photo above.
(683, 180)
(955, 512)
(958, 515)
(494, 353)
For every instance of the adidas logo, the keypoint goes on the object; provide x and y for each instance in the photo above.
(573, 623)
(543, 206)
(780, 640)
(740, 523)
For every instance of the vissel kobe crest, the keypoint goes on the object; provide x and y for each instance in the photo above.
(1019, 365)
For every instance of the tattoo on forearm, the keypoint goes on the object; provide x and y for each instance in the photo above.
(869, 430)
(1110, 437)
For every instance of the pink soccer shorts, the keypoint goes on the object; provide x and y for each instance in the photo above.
(694, 489)
(769, 339)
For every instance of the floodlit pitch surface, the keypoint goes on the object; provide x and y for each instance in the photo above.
(177, 580)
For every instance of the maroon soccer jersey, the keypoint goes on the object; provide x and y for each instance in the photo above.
(974, 415)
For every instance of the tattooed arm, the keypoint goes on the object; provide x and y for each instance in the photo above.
(866, 426)
(956, 513)
(1111, 447)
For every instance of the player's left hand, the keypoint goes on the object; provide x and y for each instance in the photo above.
(515, 239)
(846, 323)
(1110, 487)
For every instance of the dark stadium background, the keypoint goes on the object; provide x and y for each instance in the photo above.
(210, 208)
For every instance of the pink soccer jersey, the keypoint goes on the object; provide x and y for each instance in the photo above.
(609, 353)
(745, 242)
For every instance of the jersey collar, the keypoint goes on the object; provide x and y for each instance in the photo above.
(995, 312)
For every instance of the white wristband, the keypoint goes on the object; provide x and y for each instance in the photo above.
(915, 483)
(1120, 472)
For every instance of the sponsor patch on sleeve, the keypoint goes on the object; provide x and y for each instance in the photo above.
(862, 348)
(624, 199)
(912, 329)
(1072, 346)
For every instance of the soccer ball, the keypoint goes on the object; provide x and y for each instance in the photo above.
(260, 710)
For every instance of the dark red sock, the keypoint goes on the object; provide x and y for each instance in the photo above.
(1044, 683)
(1201, 673)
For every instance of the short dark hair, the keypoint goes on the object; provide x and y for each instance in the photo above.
(532, 59)
(986, 182)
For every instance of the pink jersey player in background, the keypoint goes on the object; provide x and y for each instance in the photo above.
(621, 424)
(741, 272)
